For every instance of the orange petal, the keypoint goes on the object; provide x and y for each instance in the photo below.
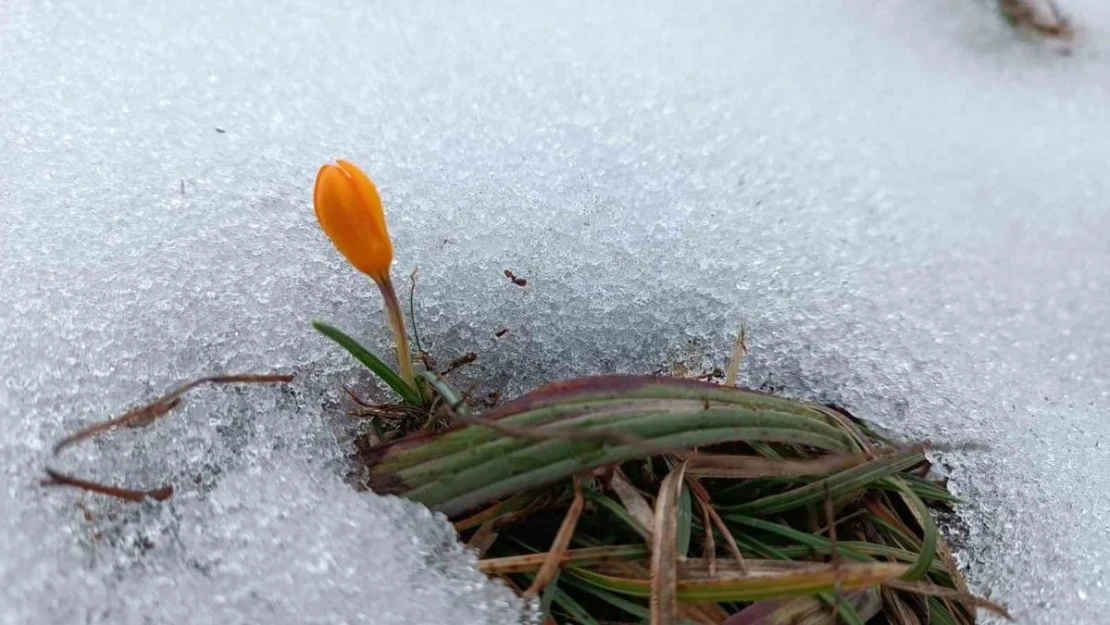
(371, 200)
(350, 218)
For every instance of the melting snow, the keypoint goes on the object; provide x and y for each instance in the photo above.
(905, 202)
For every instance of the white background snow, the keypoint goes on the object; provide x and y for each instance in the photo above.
(905, 201)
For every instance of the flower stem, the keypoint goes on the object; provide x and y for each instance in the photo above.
(397, 324)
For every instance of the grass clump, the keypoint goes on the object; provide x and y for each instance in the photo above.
(626, 499)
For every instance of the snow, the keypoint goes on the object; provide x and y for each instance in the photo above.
(904, 201)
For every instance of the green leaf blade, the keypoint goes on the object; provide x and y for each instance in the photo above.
(372, 362)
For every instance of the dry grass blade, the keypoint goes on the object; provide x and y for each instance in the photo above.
(925, 588)
(590, 555)
(784, 579)
(145, 415)
(61, 479)
(705, 613)
(897, 611)
(517, 504)
(664, 553)
(562, 541)
(738, 352)
(484, 538)
(693, 569)
(806, 610)
(638, 507)
(749, 467)
(141, 417)
(945, 556)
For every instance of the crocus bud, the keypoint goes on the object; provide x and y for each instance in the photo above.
(350, 212)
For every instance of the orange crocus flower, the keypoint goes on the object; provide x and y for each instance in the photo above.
(350, 212)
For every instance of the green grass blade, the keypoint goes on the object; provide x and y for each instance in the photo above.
(611, 598)
(371, 361)
(548, 594)
(923, 562)
(822, 545)
(938, 612)
(821, 578)
(618, 511)
(755, 546)
(573, 608)
(929, 532)
(437, 478)
(449, 394)
(847, 481)
(648, 419)
(925, 489)
(453, 494)
(553, 594)
(793, 535)
(846, 609)
(685, 521)
(766, 450)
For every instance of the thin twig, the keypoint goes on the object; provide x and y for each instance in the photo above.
(925, 588)
(145, 415)
(465, 359)
(358, 400)
(61, 479)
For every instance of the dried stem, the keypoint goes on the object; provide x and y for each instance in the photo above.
(61, 479)
(145, 415)
(562, 542)
(397, 325)
(141, 417)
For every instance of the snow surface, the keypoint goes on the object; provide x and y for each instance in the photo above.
(905, 201)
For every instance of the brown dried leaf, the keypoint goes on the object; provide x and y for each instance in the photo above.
(638, 507)
(925, 588)
(746, 467)
(664, 550)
